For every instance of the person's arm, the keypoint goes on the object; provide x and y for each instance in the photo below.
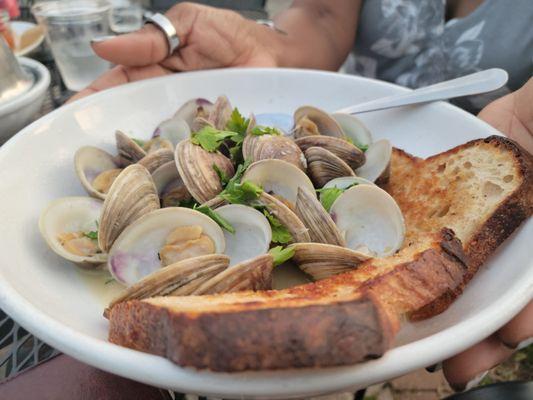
(320, 34)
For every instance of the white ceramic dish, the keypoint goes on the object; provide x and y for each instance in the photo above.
(18, 28)
(60, 304)
(18, 112)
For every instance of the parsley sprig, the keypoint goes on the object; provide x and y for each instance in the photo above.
(265, 130)
(281, 254)
(280, 233)
(329, 195)
(211, 138)
(224, 224)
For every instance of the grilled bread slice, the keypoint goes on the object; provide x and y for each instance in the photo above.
(458, 206)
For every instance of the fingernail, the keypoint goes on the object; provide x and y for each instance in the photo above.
(434, 367)
(475, 381)
(100, 39)
(524, 343)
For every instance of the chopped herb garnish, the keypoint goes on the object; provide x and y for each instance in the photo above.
(224, 178)
(280, 233)
(329, 195)
(280, 254)
(211, 138)
(240, 193)
(237, 123)
(93, 235)
(265, 130)
(224, 224)
(189, 203)
(108, 281)
(362, 147)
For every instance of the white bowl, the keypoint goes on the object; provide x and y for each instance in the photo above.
(18, 112)
(63, 305)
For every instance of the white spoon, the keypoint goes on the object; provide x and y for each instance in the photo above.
(476, 83)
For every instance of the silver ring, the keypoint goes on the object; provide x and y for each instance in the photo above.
(165, 26)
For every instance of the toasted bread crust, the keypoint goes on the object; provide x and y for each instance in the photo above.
(313, 336)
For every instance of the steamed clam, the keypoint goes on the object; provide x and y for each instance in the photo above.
(171, 190)
(96, 170)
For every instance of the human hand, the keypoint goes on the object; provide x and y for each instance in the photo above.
(209, 38)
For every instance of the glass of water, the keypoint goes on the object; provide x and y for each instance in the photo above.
(70, 25)
(126, 15)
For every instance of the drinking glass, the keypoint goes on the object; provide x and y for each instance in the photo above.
(126, 15)
(70, 25)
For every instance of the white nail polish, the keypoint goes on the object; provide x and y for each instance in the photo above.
(474, 382)
(100, 39)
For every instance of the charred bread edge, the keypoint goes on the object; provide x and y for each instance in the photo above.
(501, 224)
(337, 333)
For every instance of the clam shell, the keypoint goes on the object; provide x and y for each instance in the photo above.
(377, 165)
(195, 166)
(157, 158)
(345, 181)
(324, 260)
(134, 254)
(220, 113)
(278, 177)
(286, 216)
(265, 147)
(369, 217)
(252, 235)
(129, 152)
(321, 227)
(343, 149)
(253, 274)
(90, 162)
(131, 195)
(192, 108)
(353, 128)
(166, 177)
(326, 125)
(174, 130)
(323, 166)
(71, 214)
(178, 279)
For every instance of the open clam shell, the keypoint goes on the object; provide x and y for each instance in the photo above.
(90, 162)
(278, 177)
(195, 166)
(323, 166)
(252, 235)
(344, 182)
(321, 227)
(135, 253)
(354, 129)
(324, 260)
(71, 214)
(192, 109)
(253, 274)
(129, 152)
(170, 188)
(369, 218)
(220, 113)
(265, 147)
(174, 130)
(377, 165)
(178, 279)
(310, 120)
(131, 195)
(157, 158)
(343, 149)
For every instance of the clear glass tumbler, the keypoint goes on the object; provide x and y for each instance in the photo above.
(70, 25)
(126, 15)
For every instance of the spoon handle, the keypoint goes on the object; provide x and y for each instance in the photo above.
(476, 83)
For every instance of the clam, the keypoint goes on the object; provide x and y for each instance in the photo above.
(220, 113)
(172, 131)
(377, 165)
(321, 227)
(278, 147)
(310, 121)
(344, 182)
(283, 122)
(69, 225)
(354, 129)
(279, 178)
(129, 151)
(157, 143)
(324, 260)
(96, 170)
(195, 166)
(193, 108)
(369, 218)
(131, 195)
(324, 166)
(343, 149)
(153, 160)
(169, 234)
(170, 188)
(178, 279)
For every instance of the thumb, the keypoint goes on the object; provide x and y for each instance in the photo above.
(137, 49)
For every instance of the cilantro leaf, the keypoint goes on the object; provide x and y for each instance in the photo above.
(237, 123)
(265, 130)
(362, 147)
(93, 235)
(211, 138)
(280, 254)
(140, 142)
(241, 193)
(224, 178)
(224, 224)
(280, 233)
(329, 195)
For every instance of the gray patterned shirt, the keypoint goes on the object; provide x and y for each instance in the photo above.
(409, 42)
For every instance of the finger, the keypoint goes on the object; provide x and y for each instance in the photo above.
(519, 329)
(119, 76)
(469, 364)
